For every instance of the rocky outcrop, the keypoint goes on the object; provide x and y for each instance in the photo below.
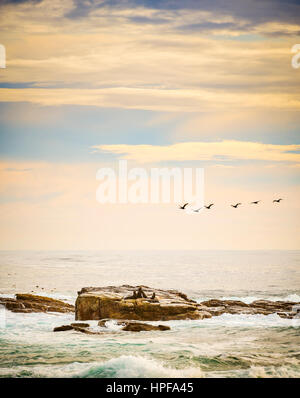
(134, 326)
(31, 303)
(63, 328)
(128, 326)
(285, 309)
(139, 327)
(117, 302)
(128, 303)
(80, 325)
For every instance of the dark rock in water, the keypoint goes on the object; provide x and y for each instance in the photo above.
(133, 326)
(32, 303)
(63, 328)
(115, 302)
(285, 309)
(80, 325)
(224, 303)
(139, 327)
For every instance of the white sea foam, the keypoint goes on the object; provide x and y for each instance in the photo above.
(237, 320)
(120, 367)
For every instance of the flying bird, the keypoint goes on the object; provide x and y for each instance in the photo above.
(235, 206)
(255, 202)
(197, 210)
(183, 207)
(277, 200)
(209, 206)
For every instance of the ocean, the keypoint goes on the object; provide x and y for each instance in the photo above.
(223, 346)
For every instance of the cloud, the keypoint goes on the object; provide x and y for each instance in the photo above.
(165, 56)
(249, 10)
(17, 170)
(151, 99)
(204, 151)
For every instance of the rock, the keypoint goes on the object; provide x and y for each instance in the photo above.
(32, 303)
(80, 325)
(224, 303)
(139, 327)
(112, 302)
(63, 328)
(285, 315)
(86, 330)
(284, 309)
(122, 303)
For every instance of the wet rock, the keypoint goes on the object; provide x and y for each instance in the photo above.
(139, 327)
(121, 302)
(115, 302)
(264, 307)
(31, 303)
(62, 328)
(80, 325)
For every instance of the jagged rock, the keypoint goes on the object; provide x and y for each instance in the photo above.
(285, 309)
(62, 328)
(80, 325)
(134, 326)
(224, 303)
(139, 327)
(112, 302)
(31, 303)
(115, 302)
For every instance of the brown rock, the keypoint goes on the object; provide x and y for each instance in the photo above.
(264, 307)
(80, 325)
(32, 303)
(113, 302)
(139, 327)
(62, 328)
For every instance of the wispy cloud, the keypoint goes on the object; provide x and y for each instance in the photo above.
(190, 151)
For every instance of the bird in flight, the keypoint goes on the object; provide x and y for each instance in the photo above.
(183, 206)
(209, 206)
(235, 206)
(277, 200)
(197, 210)
(255, 202)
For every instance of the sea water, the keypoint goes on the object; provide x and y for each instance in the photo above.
(223, 346)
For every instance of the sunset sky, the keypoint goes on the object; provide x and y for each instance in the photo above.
(162, 83)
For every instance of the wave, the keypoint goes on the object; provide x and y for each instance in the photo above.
(121, 367)
(237, 320)
(138, 367)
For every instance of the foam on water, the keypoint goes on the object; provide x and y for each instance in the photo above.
(123, 366)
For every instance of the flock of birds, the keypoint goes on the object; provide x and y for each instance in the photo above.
(235, 205)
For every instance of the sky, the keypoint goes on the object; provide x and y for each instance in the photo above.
(161, 83)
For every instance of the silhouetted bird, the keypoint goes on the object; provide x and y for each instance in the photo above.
(255, 202)
(277, 200)
(235, 206)
(197, 210)
(183, 207)
(209, 206)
